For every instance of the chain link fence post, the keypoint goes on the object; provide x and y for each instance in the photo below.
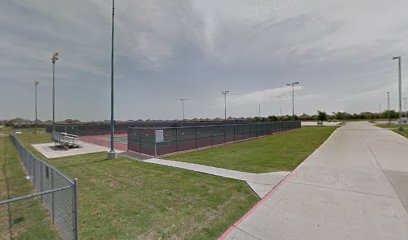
(75, 208)
(196, 136)
(52, 197)
(211, 136)
(140, 140)
(155, 142)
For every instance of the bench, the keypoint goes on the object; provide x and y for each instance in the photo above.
(65, 140)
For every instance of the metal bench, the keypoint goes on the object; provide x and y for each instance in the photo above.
(65, 140)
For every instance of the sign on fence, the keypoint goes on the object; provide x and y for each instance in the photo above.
(159, 136)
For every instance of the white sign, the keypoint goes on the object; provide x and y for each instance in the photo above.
(159, 136)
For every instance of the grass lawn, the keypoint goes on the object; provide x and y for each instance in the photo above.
(394, 127)
(281, 152)
(29, 220)
(126, 199)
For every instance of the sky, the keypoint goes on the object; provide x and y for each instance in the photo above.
(340, 51)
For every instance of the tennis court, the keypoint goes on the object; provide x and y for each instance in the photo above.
(104, 140)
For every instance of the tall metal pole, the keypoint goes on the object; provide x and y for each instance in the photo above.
(225, 106)
(225, 93)
(53, 96)
(259, 110)
(182, 105)
(36, 103)
(388, 108)
(293, 97)
(399, 91)
(293, 100)
(112, 154)
(53, 60)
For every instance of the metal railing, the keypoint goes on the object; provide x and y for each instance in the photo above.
(65, 139)
(57, 192)
(163, 141)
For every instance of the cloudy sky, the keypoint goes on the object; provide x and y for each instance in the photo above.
(340, 51)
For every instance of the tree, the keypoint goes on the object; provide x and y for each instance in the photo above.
(321, 116)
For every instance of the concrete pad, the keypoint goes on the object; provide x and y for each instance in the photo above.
(48, 151)
(261, 183)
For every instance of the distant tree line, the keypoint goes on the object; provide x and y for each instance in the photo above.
(335, 116)
(319, 116)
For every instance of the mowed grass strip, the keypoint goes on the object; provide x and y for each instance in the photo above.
(28, 218)
(394, 127)
(280, 152)
(126, 199)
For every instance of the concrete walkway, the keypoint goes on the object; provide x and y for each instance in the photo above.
(353, 187)
(261, 183)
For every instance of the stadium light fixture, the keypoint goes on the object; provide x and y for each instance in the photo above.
(293, 84)
(182, 105)
(54, 59)
(399, 91)
(112, 154)
(225, 93)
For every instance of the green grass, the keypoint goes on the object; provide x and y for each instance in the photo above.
(394, 127)
(281, 152)
(29, 220)
(126, 199)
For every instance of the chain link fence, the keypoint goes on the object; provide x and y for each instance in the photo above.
(163, 141)
(55, 191)
(91, 129)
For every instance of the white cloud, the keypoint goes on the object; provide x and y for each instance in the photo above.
(168, 49)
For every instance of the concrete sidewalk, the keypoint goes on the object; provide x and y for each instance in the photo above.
(353, 187)
(260, 183)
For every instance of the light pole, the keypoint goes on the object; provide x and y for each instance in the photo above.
(259, 110)
(112, 154)
(225, 93)
(36, 104)
(399, 91)
(293, 84)
(53, 60)
(182, 105)
(388, 108)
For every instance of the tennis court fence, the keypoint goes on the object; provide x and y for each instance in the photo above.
(57, 193)
(167, 140)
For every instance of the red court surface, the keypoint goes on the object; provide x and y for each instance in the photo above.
(104, 140)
